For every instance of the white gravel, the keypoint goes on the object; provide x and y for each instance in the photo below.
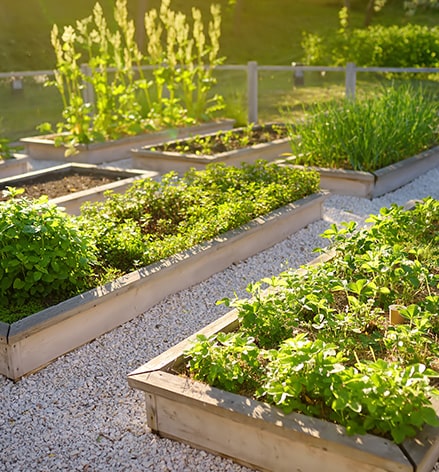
(78, 414)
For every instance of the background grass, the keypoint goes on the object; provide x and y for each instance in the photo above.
(268, 31)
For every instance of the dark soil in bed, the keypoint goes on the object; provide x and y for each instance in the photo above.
(61, 184)
(226, 141)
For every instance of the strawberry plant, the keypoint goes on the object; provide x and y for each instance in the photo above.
(321, 339)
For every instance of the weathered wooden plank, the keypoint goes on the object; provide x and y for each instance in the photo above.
(377, 183)
(423, 451)
(43, 147)
(259, 435)
(38, 339)
(10, 167)
(396, 175)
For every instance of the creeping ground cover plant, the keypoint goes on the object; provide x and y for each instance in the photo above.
(47, 255)
(320, 340)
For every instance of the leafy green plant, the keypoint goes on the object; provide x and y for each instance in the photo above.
(154, 220)
(229, 361)
(49, 255)
(184, 61)
(43, 253)
(108, 65)
(208, 145)
(5, 149)
(367, 134)
(410, 45)
(322, 337)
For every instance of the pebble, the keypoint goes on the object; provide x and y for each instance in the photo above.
(78, 413)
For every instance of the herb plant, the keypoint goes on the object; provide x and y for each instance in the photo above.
(321, 340)
(367, 134)
(154, 220)
(43, 254)
(5, 149)
(47, 255)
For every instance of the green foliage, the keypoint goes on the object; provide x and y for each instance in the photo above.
(47, 255)
(154, 220)
(324, 343)
(5, 149)
(120, 99)
(42, 252)
(367, 134)
(228, 361)
(216, 143)
(410, 45)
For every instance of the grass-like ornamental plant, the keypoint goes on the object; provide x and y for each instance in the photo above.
(367, 134)
(121, 100)
(43, 254)
(320, 341)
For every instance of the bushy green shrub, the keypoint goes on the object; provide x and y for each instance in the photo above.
(377, 46)
(367, 134)
(154, 220)
(43, 253)
(47, 256)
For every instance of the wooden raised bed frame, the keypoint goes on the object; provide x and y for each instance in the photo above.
(31, 343)
(375, 184)
(72, 202)
(259, 435)
(43, 147)
(165, 161)
(18, 164)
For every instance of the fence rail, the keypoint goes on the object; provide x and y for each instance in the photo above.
(252, 69)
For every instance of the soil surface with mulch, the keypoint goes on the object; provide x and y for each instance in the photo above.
(59, 185)
(225, 141)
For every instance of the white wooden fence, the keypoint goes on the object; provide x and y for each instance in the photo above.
(252, 68)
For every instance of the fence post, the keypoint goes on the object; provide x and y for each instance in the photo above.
(252, 92)
(88, 94)
(298, 75)
(351, 80)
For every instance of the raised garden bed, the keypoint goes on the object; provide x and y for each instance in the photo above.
(31, 343)
(380, 182)
(268, 142)
(260, 435)
(18, 164)
(43, 147)
(70, 185)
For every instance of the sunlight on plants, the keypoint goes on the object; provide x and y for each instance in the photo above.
(101, 77)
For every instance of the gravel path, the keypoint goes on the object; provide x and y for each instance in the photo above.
(78, 414)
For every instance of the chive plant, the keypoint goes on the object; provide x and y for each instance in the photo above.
(367, 134)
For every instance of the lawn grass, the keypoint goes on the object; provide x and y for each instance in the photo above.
(269, 32)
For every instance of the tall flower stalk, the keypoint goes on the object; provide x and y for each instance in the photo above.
(104, 89)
